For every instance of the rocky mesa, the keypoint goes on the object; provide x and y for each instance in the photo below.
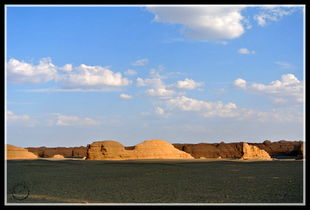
(235, 150)
(49, 152)
(199, 150)
(150, 149)
(14, 152)
(251, 152)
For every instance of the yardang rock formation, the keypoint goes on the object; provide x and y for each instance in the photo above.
(14, 152)
(251, 152)
(150, 149)
(58, 156)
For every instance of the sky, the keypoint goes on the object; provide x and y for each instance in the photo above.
(183, 74)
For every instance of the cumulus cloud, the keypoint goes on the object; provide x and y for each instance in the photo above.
(80, 77)
(153, 82)
(140, 62)
(272, 13)
(93, 76)
(125, 96)
(67, 68)
(245, 51)
(203, 22)
(239, 83)
(160, 92)
(188, 84)
(158, 87)
(130, 72)
(22, 72)
(289, 87)
(69, 120)
(207, 109)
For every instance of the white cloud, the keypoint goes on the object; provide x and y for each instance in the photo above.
(16, 119)
(207, 109)
(153, 82)
(69, 120)
(82, 76)
(245, 51)
(140, 62)
(240, 83)
(230, 110)
(274, 115)
(159, 111)
(45, 90)
(289, 87)
(273, 13)
(130, 72)
(67, 68)
(10, 116)
(160, 92)
(125, 96)
(22, 72)
(284, 65)
(158, 87)
(93, 76)
(203, 22)
(188, 84)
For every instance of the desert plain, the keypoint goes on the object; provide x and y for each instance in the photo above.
(60, 179)
(155, 181)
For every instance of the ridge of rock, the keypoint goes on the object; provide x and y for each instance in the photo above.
(149, 149)
(14, 152)
(253, 152)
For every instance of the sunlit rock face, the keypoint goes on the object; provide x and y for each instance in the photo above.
(253, 152)
(58, 156)
(14, 152)
(150, 149)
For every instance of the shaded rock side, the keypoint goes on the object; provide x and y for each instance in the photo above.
(301, 151)
(49, 152)
(235, 150)
(281, 148)
(14, 152)
(150, 149)
(253, 152)
(206, 150)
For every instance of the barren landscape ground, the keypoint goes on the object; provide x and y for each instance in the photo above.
(154, 181)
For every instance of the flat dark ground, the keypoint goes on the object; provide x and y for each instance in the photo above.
(167, 181)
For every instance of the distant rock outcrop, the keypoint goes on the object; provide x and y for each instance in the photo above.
(14, 152)
(200, 150)
(251, 152)
(280, 148)
(301, 152)
(48, 152)
(151, 149)
(206, 150)
(235, 150)
(58, 156)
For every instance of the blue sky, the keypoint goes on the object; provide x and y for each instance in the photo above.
(184, 74)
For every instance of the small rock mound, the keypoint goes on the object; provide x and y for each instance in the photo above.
(251, 152)
(58, 156)
(151, 149)
(14, 152)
